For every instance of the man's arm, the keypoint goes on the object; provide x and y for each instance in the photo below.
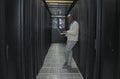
(73, 30)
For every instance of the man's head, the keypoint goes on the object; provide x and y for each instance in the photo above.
(70, 17)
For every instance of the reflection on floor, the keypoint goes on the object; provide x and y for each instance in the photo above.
(52, 68)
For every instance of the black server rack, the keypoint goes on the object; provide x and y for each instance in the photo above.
(96, 53)
(3, 52)
(118, 64)
(109, 39)
(44, 31)
(13, 39)
(107, 35)
(25, 38)
(84, 52)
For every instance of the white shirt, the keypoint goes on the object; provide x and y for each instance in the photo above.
(73, 32)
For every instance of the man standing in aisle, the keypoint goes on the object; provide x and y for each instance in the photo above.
(72, 38)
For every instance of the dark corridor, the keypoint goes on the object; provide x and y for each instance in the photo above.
(28, 29)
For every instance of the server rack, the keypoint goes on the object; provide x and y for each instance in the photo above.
(23, 34)
(110, 37)
(84, 51)
(99, 35)
(3, 52)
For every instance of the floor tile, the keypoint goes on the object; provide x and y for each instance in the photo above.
(49, 70)
(70, 76)
(48, 76)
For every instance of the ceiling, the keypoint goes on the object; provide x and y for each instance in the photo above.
(59, 8)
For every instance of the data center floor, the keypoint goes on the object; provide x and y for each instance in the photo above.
(52, 68)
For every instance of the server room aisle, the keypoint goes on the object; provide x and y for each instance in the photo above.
(52, 68)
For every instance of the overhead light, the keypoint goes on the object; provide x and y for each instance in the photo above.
(59, 4)
(53, 3)
(59, 1)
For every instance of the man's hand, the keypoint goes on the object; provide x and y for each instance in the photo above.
(64, 32)
(61, 33)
